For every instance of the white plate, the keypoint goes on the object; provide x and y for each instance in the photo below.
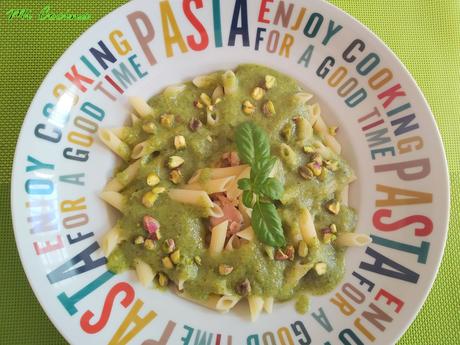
(411, 235)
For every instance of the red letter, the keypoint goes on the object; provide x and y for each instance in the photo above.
(390, 299)
(263, 10)
(197, 25)
(77, 78)
(106, 310)
(386, 213)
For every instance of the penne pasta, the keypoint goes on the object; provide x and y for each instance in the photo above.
(295, 273)
(114, 143)
(245, 212)
(233, 192)
(211, 186)
(134, 119)
(230, 82)
(232, 243)
(140, 106)
(110, 240)
(304, 130)
(315, 113)
(124, 178)
(222, 303)
(302, 97)
(215, 211)
(256, 304)
(320, 125)
(307, 226)
(217, 173)
(332, 143)
(192, 197)
(218, 235)
(227, 302)
(247, 234)
(174, 90)
(114, 199)
(142, 149)
(144, 272)
(288, 155)
(212, 118)
(119, 132)
(268, 304)
(352, 239)
(344, 195)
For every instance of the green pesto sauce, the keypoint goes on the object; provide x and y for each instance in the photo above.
(302, 304)
(187, 225)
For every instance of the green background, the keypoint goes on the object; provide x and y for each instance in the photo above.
(425, 34)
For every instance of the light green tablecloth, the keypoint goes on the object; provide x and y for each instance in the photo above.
(425, 34)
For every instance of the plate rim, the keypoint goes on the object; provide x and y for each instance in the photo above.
(444, 170)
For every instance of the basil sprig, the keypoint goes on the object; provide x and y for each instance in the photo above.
(259, 190)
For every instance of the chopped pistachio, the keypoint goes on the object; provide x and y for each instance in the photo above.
(209, 138)
(162, 279)
(211, 108)
(320, 268)
(225, 270)
(175, 176)
(149, 198)
(167, 263)
(305, 172)
(206, 99)
(168, 246)
(302, 249)
(218, 93)
(322, 177)
(139, 240)
(333, 228)
(329, 237)
(333, 130)
(270, 251)
(152, 179)
(149, 244)
(269, 108)
(290, 251)
(280, 255)
(269, 81)
(179, 142)
(149, 127)
(167, 120)
(287, 131)
(175, 162)
(197, 260)
(258, 93)
(333, 206)
(331, 165)
(159, 190)
(316, 157)
(248, 107)
(194, 124)
(198, 104)
(243, 288)
(308, 149)
(217, 101)
(315, 168)
(175, 256)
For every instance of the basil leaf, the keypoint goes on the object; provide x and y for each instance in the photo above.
(248, 197)
(267, 224)
(272, 188)
(251, 143)
(261, 170)
(244, 184)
